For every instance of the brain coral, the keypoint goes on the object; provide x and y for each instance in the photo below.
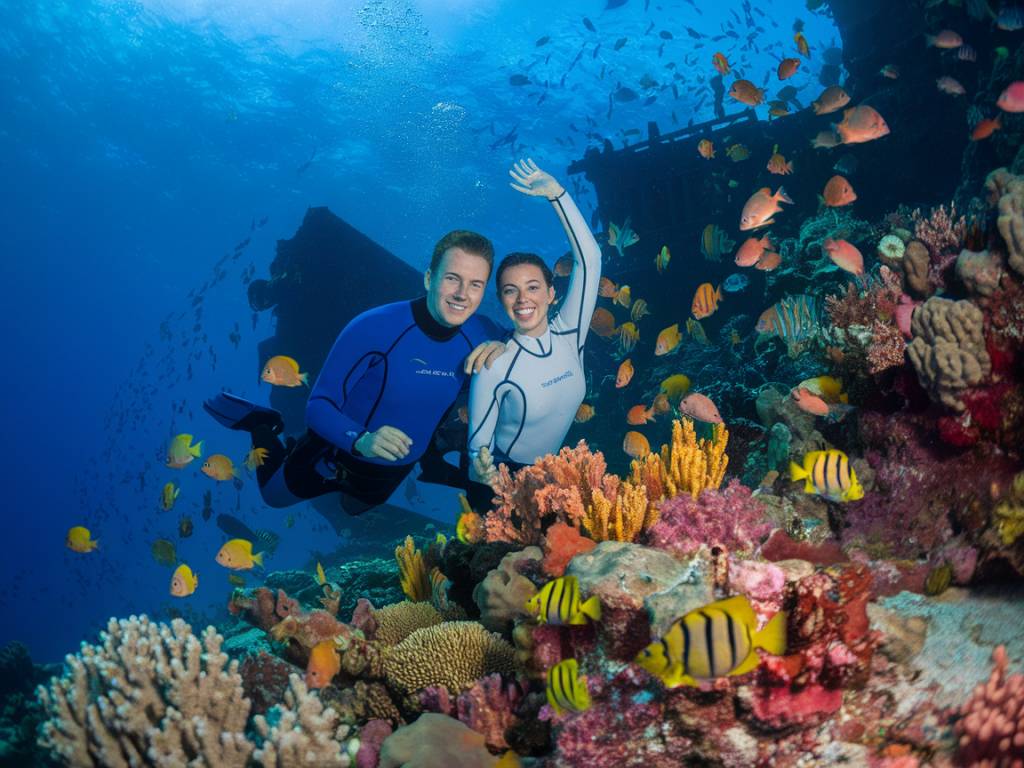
(454, 654)
(891, 247)
(397, 621)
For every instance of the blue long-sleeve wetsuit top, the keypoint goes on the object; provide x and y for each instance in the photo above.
(393, 365)
(523, 405)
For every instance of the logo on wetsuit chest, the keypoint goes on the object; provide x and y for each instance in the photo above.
(562, 377)
(435, 372)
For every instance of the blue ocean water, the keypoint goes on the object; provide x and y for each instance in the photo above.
(141, 141)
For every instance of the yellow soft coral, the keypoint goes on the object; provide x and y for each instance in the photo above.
(413, 571)
(690, 465)
(623, 519)
(1009, 513)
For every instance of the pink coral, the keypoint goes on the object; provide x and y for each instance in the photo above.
(887, 349)
(991, 729)
(554, 488)
(942, 232)
(730, 518)
(371, 736)
(488, 709)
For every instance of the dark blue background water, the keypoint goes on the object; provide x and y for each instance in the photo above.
(138, 143)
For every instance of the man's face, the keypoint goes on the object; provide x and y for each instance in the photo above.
(454, 293)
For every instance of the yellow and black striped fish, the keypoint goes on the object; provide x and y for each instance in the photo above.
(705, 300)
(567, 690)
(558, 602)
(829, 474)
(717, 640)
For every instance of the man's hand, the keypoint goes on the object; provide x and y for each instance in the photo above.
(484, 354)
(482, 469)
(531, 180)
(388, 443)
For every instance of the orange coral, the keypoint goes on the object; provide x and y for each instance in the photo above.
(561, 544)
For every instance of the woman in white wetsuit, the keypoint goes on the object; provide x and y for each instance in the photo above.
(522, 407)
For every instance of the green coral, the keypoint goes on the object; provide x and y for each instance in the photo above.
(1009, 513)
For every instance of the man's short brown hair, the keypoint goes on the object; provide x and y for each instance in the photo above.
(470, 242)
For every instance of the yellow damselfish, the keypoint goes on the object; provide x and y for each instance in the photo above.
(567, 689)
(80, 540)
(829, 474)
(676, 386)
(184, 581)
(237, 555)
(181, 452)
(168, 496)
(717, 640)
(558, 602)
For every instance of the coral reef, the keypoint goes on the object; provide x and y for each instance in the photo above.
(991, 728)
(1006, 193)
(948, 349)
(488, 707)
(393, 623)
(503, 593)
(148, 693)
(689, 465)
(561, 544)
(413, 570)
(434, 741)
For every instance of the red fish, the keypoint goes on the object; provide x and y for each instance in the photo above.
(838, 192)
(324, 664)
(705, 300)
(639, 415)
(787, 68)
(985, 128)
(751, 251)
(768, 261)
(721, 63)
(747, 93)
(701, 408)
(845, 255)
(809, 402)
(1012, 99)
(861, 124)
(760, 208)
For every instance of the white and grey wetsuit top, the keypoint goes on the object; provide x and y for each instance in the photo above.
(523, 405)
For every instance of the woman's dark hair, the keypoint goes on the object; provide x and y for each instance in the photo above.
(515, 259)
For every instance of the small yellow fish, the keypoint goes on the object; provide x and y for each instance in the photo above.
(283, 371)
(567, 689)
(696, 331)
(717, 640)
(183, 582)
(219, 467)
(470, 527)
(168, 496)
(623, 297)
(181, 452)
(256, 458)
(662, 259)
(321, 577)
(676, 386)
(828, 474)
(237, 555)
(668, 340)
(80, 540)
(558, 602)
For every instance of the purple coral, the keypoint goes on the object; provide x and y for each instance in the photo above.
(730, 518)
(488, 709)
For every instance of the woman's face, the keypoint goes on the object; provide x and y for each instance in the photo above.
(526, 298)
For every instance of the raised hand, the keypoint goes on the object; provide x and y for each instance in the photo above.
(531, 180)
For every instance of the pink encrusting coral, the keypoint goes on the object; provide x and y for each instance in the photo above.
(730, 518)
(991, 729)
(488, 708)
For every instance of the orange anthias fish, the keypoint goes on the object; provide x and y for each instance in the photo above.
(809, 402)
(761, 207)
(861, 124)
(985, 128)
(787, 68)
(638, 414)
(584, 413)
(705, 300)
(237, 555)
(768, 261)
(838, 192)
(832, 99)
(668, 340)
(706, 149)
(747, 93)
(845, 255)
(661, 403)
(778, 165)
(625, 374)
(751, 250)
(283, 371)
(801, 45)
(610, 290)
(721, 63)
(219, 467)
(324, 664)
(636, 445)
(602, 322)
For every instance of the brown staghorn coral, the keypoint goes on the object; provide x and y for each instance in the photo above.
(307, 733)
(454, 655)
(556, 487)
(948, 349)
(413, 571)
(149, 694)
(397, 621)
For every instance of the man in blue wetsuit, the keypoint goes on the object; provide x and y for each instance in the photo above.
(392, 375)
